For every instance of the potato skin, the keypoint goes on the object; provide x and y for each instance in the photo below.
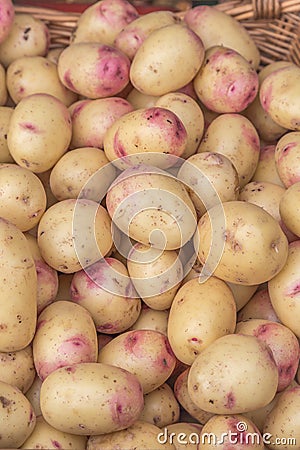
(5, 115)
(91, 398)
(289, 208)
(7, 19)
(17, 368)
(161, 407)
(287, 158)
(18, 300)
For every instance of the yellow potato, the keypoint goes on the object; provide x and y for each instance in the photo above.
(151, 319)
(33, 395)
(5, 115)
(160, 407)
(18, 300)
(289, 208)
(266, 167)
(17, 368)
(3, 87)
(184, 435)
(139, 100)
(287, 157)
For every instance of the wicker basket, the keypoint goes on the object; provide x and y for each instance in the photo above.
(273, 24)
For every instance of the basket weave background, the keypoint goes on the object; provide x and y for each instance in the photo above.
(273, 24)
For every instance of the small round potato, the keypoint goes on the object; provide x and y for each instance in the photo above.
(200, 313)
(289, 208)
(91, 398)
(17, 419)
(28, 36)
(250, 247)
(161, 407)
(93, 70)
(23, 197)
(36, 74)
(92, 118)
(17, 368)
(5, 115)
(39, 132)
(66, 234)
(145, 353)
(287, 158)
(233, 375)
(45, 436)
(160, 67)
(284, 290)
(226, 81)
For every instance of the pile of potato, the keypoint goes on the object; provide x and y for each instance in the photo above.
(149, 234)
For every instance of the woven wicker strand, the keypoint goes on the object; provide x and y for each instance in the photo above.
(273, 24)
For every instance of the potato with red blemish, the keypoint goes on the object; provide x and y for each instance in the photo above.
(35, 74)
(92, 118)
(160, 407)
(45, 436)
(241, 145)
(102, 21)
(226, 81)
(145, 353)
(284, 290)
(28, 36)
(258, 307)
(282, 342)
(249, 246)
(160, 67)
(17, 419)
(7, 14)
(289, 208)
(287, 158)
(235, 374)
(200, 313)
(93, 70)
(141, 435)
(106, 291)
(66, 334)
(91, 398)
(17, 368)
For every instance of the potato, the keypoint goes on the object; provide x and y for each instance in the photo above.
(283, 422)
(226, 81)
(133, 35)
(159, 67)
(102, 21)
(33, 395)
(3, 88)
(184, 435)
(47, 437)
(280, 98)
(145, 353)
(289, 208)
(54, 53)
(151, 319)
(266, 166)
(234, 430)
(160, 407)
(234, 374)
(23, 197)
(182, 394)
(284, 290)
(39, 132)
(28, 36)
(5, 115)
(17, 368)
(7, 18)
(258, 307)
(156, 275)
(18, 304)
(200, 313)
(241, 293)
(139, 100)
(250, 248)
(93, 70)
(47, 277)
(74, 169)
(141, 435)
(147, 130)
(190, 113)
(60, 341)
(91, 398)
(210, 178)
(36, 74)
(218, 28)
(287, 158)
(92, 118)
(106, 291)
(241, 146)
(282, 342)
(154, 200)
(17, 419)
(63, 237)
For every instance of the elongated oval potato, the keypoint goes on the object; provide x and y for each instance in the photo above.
(18, 300)
(233, 375)
(287, 158)
(17, 419)
(250, 246)
(160, 67)
(91, 398)
(218, 28)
